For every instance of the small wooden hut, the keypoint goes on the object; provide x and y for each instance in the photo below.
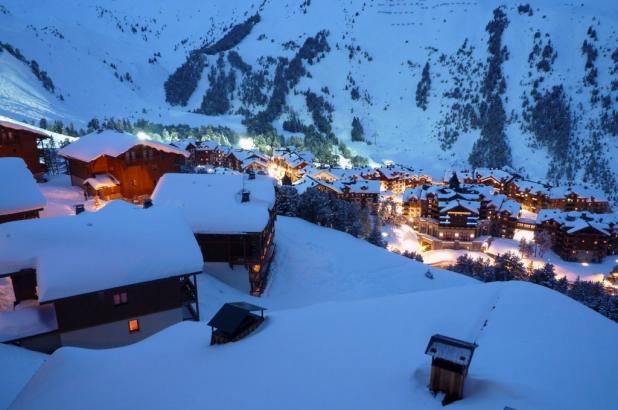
(235, 321)
(449, 365)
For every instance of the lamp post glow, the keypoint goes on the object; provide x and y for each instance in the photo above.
(246, 143)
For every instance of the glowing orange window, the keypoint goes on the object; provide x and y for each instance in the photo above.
(133, 325)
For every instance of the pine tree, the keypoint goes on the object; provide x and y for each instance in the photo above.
(358, 133)
(287, 201)
(454, 183)
(375, 237)
(562, 285)
(545, 276)
(365, 221)
(423, 87)
(544, 241)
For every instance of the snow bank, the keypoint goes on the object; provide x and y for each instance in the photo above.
(18, 187)
(119, 245)
(356, 355)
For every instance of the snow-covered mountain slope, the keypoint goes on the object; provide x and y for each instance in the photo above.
(112, 58)
(355, 355)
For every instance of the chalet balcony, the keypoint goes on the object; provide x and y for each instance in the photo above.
(188, 294)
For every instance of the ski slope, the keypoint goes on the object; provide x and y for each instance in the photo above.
(85, 51)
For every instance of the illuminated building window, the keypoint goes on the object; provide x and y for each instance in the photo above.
(133, 326)
(121, 298)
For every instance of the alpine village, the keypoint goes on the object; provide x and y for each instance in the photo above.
(252, 250)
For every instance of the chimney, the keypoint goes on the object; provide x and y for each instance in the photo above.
(251, 175)
(79, 208)
(245, 196)
(147, 203)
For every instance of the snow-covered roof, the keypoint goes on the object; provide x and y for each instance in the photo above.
(560, 192)
(18, 366)
(502, 203)
(531, 186)
(513, 365)
(18, 125)
(495, 173)
(412, 193)
(292, 157)
(575, 221)
(450, 349)
(119, 245)
(211, 203)
(18, 189)
(111, 143)
(456, 203)
(184, 143)
(254, 160)
(360, 186)
(102, 181)
(208, 145)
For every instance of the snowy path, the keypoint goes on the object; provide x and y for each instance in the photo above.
(62, 197)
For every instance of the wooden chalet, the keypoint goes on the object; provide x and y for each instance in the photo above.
(532, 195)
(25, 141)
(580, 236)
(450, 361)
(20, 197)
(577, 198)
(396, 178)
(292, 162)
(235, 321)
(448, 218)
(80, 281)
(111, 164)
(503, 214)
(364, 193)
(190, 145)
(231, 215)
(498, 179)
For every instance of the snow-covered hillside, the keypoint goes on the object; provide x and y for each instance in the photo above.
(315, 265)
(362, 59)
(355, 355)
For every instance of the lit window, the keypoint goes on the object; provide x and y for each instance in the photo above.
(121, 298)
(133, 326)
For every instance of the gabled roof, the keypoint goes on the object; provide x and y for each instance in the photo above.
(185, 143)
(18, 189)
(22, 126)
(101, 181)
(232, 316)
(581, 191)
(503, 204)
(450, 349)
(111, 143)
(459, 203)
(360, 186)
(117, 246)
(575, 221)
(211, 203)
